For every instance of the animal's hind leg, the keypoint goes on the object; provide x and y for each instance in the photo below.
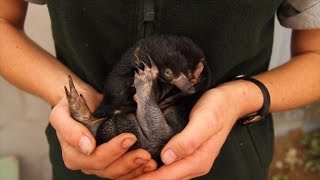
(176, 117)
(149, 116)
(79, 109)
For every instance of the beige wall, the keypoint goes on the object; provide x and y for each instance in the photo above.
(308, 117)
(23, 117)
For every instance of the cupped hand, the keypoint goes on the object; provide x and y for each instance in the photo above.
(192, 152)
(109, 160)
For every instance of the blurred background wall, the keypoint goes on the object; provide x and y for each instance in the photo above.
(23, 117)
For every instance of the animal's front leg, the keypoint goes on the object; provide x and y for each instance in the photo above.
(79, 109)
(153, 126)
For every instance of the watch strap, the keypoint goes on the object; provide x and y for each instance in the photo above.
(264, 111)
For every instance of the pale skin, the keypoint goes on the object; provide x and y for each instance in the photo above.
(27, 66)
(291, 85)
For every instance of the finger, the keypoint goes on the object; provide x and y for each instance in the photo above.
(202, 119)
(185, 168)
(64, 145)
(151, 165)
(123, 165)
(68, 149)
(73, 132)
(103, 156)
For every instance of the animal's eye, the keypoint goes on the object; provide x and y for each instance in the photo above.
(167, 73)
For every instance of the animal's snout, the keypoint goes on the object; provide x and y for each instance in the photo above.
(190, 89)
(183, 83)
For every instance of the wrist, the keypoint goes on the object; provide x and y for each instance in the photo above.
(92, 96)
(244, 95)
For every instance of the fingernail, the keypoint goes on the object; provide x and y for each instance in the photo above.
(140, 161)
(85, 145)
(168, 157)
(128, 142)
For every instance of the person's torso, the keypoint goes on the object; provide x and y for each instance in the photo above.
(236, 35)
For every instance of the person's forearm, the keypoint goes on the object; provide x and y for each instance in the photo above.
(297, 83)
(292, 85)
(27, 66)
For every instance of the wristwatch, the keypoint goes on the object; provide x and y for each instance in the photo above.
(259, 115)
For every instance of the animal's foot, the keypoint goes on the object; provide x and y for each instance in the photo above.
(79, 109)
(144, 82)
(154, 68)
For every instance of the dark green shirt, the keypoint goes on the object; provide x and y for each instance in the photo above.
(236, 36)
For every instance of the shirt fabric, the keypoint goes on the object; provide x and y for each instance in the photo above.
(294, 14)
(236, 36)
(300, 14)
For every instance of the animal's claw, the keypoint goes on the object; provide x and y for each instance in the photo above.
(67, 93)
(140, 71)
(146, 67)
(72, 95)
(136, 74)
(153, 65)
(139, 68)
(143, 83)
(79, 109)
(154, 68)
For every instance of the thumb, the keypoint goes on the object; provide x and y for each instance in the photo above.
(202, 125)
(71, 131)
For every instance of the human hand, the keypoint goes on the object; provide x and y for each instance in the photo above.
(108, 160)
(192, 152)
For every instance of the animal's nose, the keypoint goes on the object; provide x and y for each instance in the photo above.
(183, 83)
(190, 89)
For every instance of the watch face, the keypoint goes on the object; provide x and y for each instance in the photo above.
(251, 118)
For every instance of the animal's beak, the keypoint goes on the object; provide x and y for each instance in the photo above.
(183, 83)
